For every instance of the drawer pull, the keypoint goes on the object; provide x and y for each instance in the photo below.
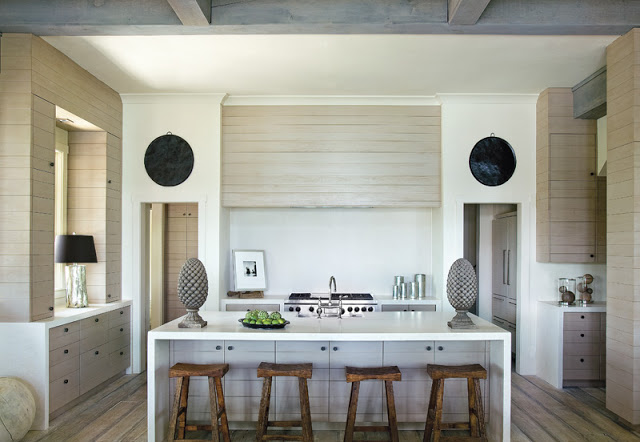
(428, 348)
(66, 329)
(440, 347)
(218, 347)
(230, 347)
(581, 360)
(50, 309)
(97, 319)
(335, 348)
(581, 316)
(582, 335)
(97, 352)
(122, 329)
(66, 351)
(121, 311)
(323, 348)
(109, 295)
(66, 381)
(121, 353)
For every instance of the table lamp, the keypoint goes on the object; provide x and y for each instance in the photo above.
(74, 249)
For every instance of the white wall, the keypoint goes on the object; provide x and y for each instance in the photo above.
(196, 118)
(363, 248)
(465, 120)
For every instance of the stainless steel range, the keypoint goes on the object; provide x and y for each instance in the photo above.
(307, 304)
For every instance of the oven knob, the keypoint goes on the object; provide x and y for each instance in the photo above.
(357, 309)
(310, 309)
(290, 309)
(319, 310)
(370, 309)
(297, 309)
(342, 311)
(350, 309)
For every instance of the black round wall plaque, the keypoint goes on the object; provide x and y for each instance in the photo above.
(168, 160)
(492, 161)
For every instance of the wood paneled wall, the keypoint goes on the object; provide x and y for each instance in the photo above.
(283, 156)
(180, 244)
(93, 207)
(36, 77)
(623, 226)
(566, 182)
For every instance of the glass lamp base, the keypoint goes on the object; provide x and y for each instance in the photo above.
(76, 286)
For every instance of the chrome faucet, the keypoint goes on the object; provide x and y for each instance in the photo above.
(332, 280)
(322, 307)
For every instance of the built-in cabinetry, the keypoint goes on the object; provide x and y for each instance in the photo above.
(284, 156)
(409, 307)
(584, 354)
(570, 198)
(328, 390)
(504, 301)
(85, 353)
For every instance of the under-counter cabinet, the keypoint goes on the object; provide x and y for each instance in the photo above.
(571, 344)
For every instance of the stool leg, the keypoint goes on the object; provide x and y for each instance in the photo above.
(213, 405)
(223, 415)
(307, 434)
(351, 415)
(479, 410)
(391, 411)
(434, 412)
(174, 411)
(182, 416)
(263, 417)
(473, 412)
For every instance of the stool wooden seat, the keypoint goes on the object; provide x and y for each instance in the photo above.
(386, 374)
(268, 370)
(178, 421)
(476, 425)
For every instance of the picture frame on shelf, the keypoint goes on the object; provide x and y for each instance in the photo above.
(249, 270)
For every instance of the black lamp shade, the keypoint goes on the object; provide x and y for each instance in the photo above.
(75, 248)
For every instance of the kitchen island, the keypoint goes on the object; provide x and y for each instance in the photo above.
(409, 340)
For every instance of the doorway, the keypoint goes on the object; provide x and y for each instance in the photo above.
(491, 245)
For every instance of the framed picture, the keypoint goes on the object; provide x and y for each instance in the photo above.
(248, 270)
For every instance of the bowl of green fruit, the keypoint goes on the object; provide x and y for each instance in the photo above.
(263, 319)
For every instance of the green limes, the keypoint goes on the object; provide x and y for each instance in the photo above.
(246, 320)
(253, 321)
(280, 321)
(267, 321)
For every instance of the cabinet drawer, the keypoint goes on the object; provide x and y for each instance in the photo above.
(63, 354)
(581, 375)
(116, 332)
(63, 390)
(119, 360)
(119, 342)
(581, 362)
(408, 346)
(64, 335)
(307, 346)
(249, 346)
(89, 358)
(510, 308)
(95, 321)
(319, 359)
(119, 317)
(581, 336)
(249, 307)
(582, 321)
(589, 349)
(355, 347)
(418, 359)
(460, 346)
(93, 337)
(394, 308)
(64, 368)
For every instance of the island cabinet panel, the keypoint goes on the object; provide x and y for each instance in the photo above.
(412, 393)
(287, 390)
(354, 354)
(283, 156)
(243, 402)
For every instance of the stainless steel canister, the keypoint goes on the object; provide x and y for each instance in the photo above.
(404, 288)
(421, 280)
(413, 290)
(398, 280)
(396, 291)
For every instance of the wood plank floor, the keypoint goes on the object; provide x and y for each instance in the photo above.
(539, 413)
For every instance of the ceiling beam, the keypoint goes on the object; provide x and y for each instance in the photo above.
(466, 12)
(192, 12)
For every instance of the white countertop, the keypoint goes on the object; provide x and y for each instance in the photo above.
(377, 326)
(596, 307)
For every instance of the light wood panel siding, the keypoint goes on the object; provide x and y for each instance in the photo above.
(567, 189)
(623, 221)
(283, 156)
(180, 244)
(36, 77)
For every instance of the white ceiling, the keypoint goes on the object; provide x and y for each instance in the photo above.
(422, 65)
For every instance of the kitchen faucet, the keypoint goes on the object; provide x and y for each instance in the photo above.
(329, 305)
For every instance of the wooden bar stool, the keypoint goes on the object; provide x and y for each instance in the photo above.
(267, 370)
(473, 373)
(386, 374)
(178, 421)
